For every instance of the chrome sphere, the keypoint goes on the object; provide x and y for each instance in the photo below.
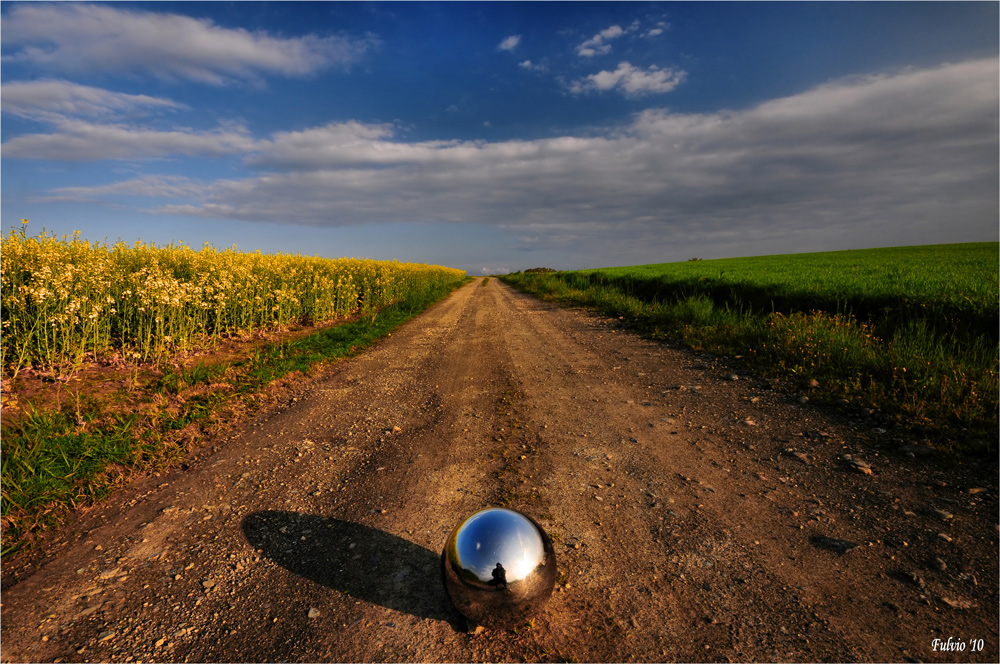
(498, 567)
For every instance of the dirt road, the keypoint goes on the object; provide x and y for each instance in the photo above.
(697, 516)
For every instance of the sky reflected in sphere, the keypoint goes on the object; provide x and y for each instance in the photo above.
(499, 536)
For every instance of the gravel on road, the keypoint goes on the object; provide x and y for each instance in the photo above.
(697, 515)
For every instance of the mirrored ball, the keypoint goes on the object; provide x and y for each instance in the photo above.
(498, 567)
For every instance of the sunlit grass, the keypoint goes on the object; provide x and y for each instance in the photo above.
(911, 331)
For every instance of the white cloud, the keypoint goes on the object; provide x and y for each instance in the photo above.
(531, 66)
(598, 44)
(80, 140)
(661, 27)
(91, 124)
(149, 186)
(631, 81)
(71, 37)
(886, 158)
(52, 99)
(337, 145)
(509, 43)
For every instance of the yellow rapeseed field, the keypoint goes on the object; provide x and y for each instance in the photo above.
(64, 299)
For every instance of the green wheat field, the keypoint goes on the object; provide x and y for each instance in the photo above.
(910, 331)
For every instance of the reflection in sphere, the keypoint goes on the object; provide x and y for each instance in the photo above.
(498, 567)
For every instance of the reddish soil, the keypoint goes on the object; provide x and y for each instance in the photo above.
(120, 385)
(697, 515)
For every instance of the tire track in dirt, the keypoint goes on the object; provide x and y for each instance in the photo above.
(684, 526)
(649, 464)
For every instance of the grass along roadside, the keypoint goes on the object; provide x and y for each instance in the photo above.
(59, 456)
(924, 355)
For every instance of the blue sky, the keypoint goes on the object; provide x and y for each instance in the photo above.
(502, 136)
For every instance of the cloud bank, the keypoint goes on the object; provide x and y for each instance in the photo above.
(81, 38)
(52, 99)
(91, 124)
(79, 140)
(886, 155)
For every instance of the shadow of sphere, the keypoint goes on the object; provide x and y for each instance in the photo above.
(365, 562)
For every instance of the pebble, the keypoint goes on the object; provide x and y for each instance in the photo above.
(314, 612)
(208, 583)
(89, 610)
(959, 603)
(732, 377)
(105, 636)
(938, 514)
(856, 464)
(943, 536)
(938, 564)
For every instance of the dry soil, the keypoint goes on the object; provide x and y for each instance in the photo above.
(697, 515)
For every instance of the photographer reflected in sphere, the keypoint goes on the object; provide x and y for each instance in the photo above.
(499, 577)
